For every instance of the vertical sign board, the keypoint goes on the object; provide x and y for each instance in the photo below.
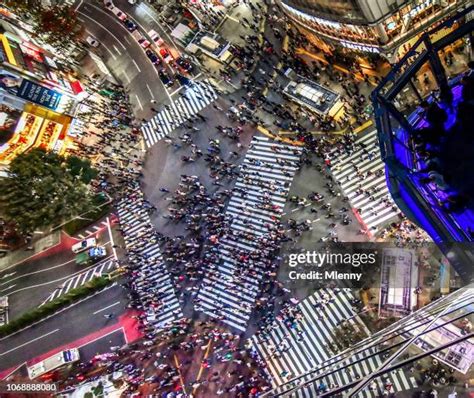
(39, 95)
(26, 89)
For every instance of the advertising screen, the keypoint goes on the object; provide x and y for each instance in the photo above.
(29, 90)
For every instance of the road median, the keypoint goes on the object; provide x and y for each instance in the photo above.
(39, 313)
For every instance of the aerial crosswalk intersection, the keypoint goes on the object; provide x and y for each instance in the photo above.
(192, 100)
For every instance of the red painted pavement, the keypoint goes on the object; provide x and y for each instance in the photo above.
(125, 321)
(65, 243)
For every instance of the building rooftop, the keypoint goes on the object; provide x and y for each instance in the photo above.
(312, 95)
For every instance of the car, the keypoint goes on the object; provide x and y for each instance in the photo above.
(91, 256)
(184, 64)
(152, 57)
(140, 39)
(131, 26)
(116, 11)
(155, 37)
(132, 2)
(92, 41)
(119, 14)
(183, 80)
(165, 78)
(144, 42)
(165, 54)
(84, 245)
(109, 5)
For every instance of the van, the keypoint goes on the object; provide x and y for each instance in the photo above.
(84, 245)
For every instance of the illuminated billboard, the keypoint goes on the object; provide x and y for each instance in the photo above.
(29, 90)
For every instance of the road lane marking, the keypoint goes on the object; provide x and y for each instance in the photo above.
(159, 24)
(126, 77)
(13, 371)
(136, 65)
(116, 49)
(103, 27)
(195, 77)
(8, 288)
(103, 309)
(32, 256)
(167, 93)
(78, 6)
(176, 91)
(105, 289)
(109, 15)
(7, 275)
(60, 279)
(149, 90)
(127, 40)
(103, 45)
(139, 102)
(38, 272)
(105, 335)
(112, 243)
(181, 380)
(28, 342)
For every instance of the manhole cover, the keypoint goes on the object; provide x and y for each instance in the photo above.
(237, 15)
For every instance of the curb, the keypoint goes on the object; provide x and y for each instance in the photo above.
(266, 132)
(58, 312)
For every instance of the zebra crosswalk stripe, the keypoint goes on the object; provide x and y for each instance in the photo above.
(139, 235)
(376, 208)
(266, 174)
(302, 345)
(82, 278)
(197, 97)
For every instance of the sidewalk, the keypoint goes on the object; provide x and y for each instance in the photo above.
(40, 246)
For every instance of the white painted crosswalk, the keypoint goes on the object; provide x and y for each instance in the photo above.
(229, 290)
(143, 252)
(82, 278)
(92, 230)
(361, 174)
(295, 345)
(195, 98)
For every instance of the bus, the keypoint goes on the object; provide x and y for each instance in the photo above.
(53, 362)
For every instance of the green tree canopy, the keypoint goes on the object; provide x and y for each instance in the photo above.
(81, 168)
(56, 25)
(45, 189)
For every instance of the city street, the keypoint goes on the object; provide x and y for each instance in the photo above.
(44, 274)
(212, 178)
(69, 325)
(125, 58)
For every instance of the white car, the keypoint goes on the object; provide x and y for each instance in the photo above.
(92, 41)
(84, 245)
(119, 14)
(155, 37)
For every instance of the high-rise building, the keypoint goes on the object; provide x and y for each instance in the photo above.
(38, 97)
(381, 26)
(434, 78)
(442, 329)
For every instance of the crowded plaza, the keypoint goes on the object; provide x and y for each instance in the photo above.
(237, 138)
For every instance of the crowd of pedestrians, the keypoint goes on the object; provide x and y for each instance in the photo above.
(192, 258)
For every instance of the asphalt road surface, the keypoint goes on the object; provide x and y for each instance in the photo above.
(30, 282)
(66, 326)
(125, 57)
